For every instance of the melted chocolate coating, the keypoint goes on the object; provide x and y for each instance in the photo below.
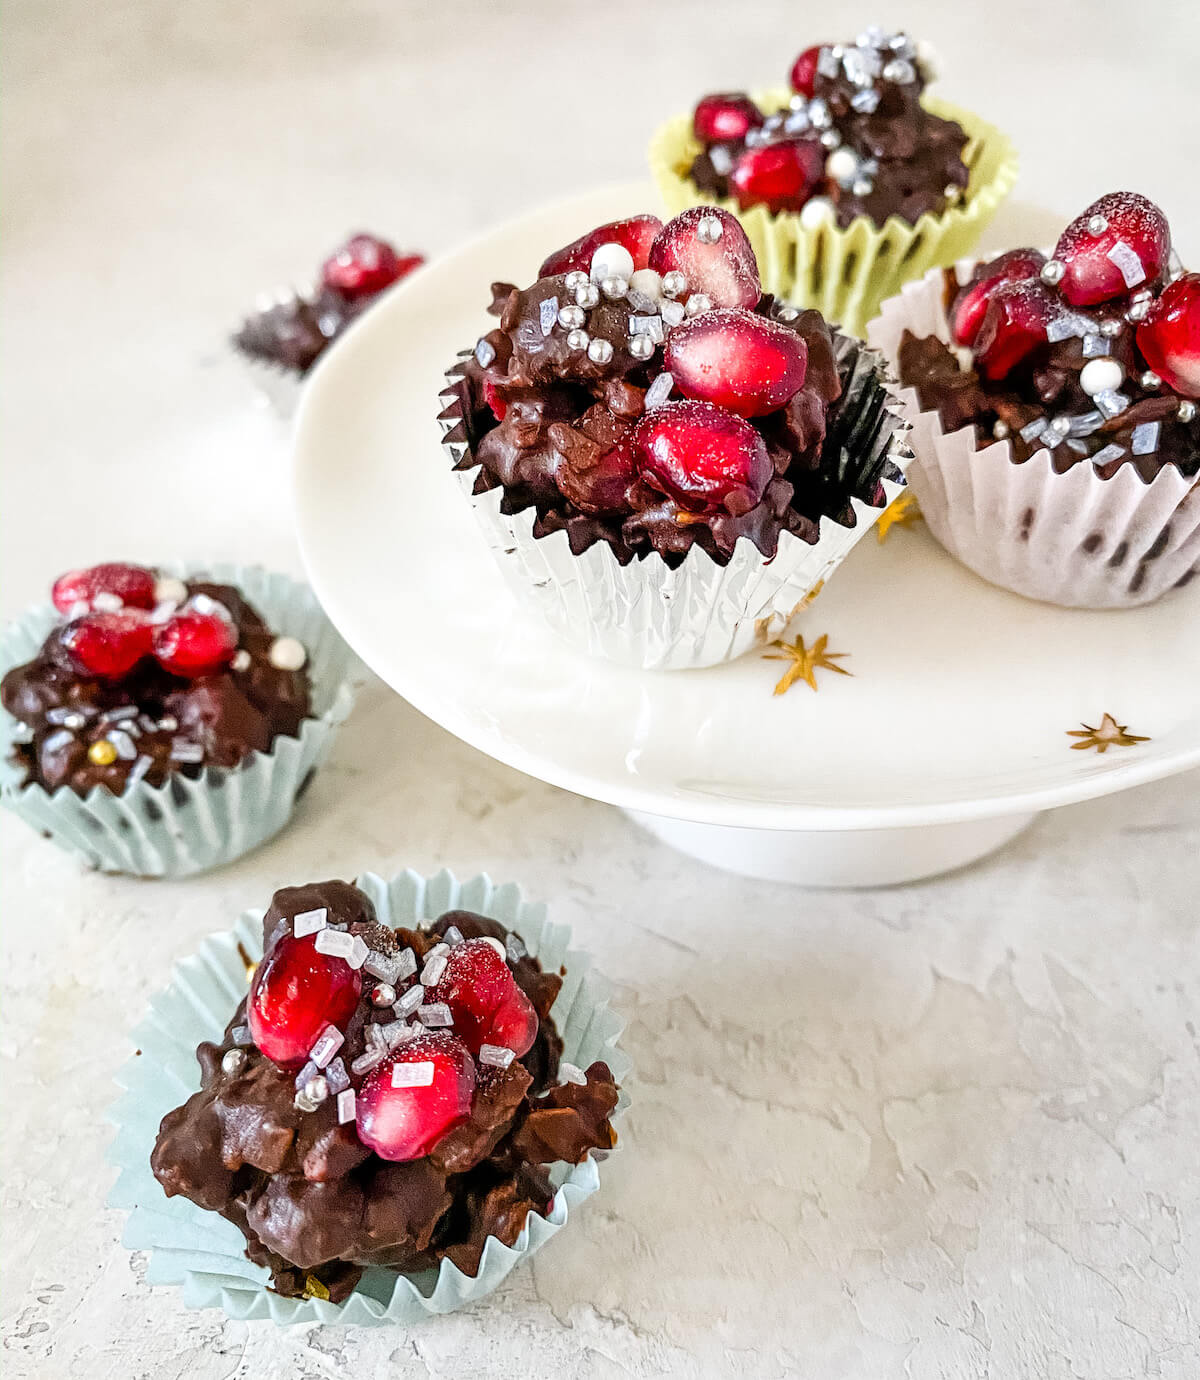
(919, 155)
(558, 445)
(228, 715)
(312, 1201)
(1046, 384)
(294, 333)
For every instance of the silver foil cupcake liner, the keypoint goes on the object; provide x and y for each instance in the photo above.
(655, 618)
(1075, 538)
(191, 824)
(204, 1253)
(278, 386)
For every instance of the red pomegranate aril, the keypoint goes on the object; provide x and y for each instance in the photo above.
(804, 71)
(971, 304)
(717, 260)
(636, 234)
(193, 644)
(1014, 325)
(780, 176)
(365, 265)
(487, 1005)
(107, 645)
(493, 399)
(1120, 243)
(1169, 338)
(725, 117)
(735, 359)
(705, 458)
(132, 584)
(297, 991)
(403, 1116)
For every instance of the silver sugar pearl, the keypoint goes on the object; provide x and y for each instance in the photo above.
(233, 1062)
(614, 288)
(819, 114)
(1052, 272)
(1110, 328)
(571, 317)
(575, 280)
(862, 187)
(1150, 380)
(830, 139)
(1000, 430)
(600, 351)
(587, 296)
(383, 995)
(1097, 225)
(698, 302)
(709, 230)
(674, 284)
(641, 346)
(900, 71)
(1138, 311)
(1060, 425)
(1187, 410)
(787, 314)
(578, 340)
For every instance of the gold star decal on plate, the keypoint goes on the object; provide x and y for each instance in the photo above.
(1108, 734)
(806, 662)
(903, 513)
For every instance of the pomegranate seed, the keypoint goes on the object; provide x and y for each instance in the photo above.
(636, 234)
(406, 1122)
(297, 991)
(725, 117)
(710, 248)
(780, 176)
(804, 71)
(494, 400)
(1170, 335)
(132, 584)
(971, 304)
(702, 456)
(1013, 326)
(737, 360)
(1120, 243)
(195, 644)
(107, 645)
(365, 265)
(482, 994)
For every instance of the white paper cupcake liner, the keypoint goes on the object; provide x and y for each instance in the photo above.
(279, 386)
(187, 824)
(1074, 539)
(651, 617)
(206, 1254)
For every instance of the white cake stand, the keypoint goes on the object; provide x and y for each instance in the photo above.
(951, 733)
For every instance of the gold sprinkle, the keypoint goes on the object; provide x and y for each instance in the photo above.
(902, 513)
(248, 963)
(806, 662)
(1108, 734)
(102, 753)
(314, 1289)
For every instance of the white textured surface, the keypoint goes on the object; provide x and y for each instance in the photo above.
(947, 1131)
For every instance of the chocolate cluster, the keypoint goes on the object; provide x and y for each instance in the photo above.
(316, 1205)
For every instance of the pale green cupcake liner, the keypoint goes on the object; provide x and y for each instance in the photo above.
(203, 1252)
(187, 824)
(847, 273)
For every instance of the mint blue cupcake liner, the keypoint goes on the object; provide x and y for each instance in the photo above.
(190, 824)
(203, 1252)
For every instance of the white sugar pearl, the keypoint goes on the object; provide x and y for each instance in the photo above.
(611, 260)
(648, 283)
(169, 590)
(287, 654)
(1100, 375)
(816, 211)
(841, 165)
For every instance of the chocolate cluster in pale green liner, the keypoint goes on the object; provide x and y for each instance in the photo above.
(202, 1251)
(847, 273)
(191, 824)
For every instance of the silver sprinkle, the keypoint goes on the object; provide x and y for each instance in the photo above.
(412, 1075)
(409, 1002)
(435, 1016)
(453, 935)
(672, 313)
(722, 160)
(366, 1062)
(58, 740)
(514, 947)
(674, 284)
(641, 346)
(571, 317)
(786, 313)
(336, 1076)
(862, 65)
(1097, 225)
(1109, 453)
(1187, 410)
(600, 351)
(309, 922)
(187, 753)
(575, 280)
(796, 123)
(1144, 440)
(118, 716)
(168, 723)
(1000, 430)
(240, 1035)
(658, 392)
(819, 114)
(900, 71)
(709, 230)
(570, 1073)
(1110, 402)
(1032, 430)
(1052, 272)
(1085, 423)
(614, 288)
(233, 1061)
(1150, 381)
(435, 966)
(1138, 311)
(383, 995)
(66, 718)
(862, 187)
(866, 101)
(345, 1106)
(578, 340)
(548, 314)
(124, 744)
(830, 139)
(639, 302)
(485, 352)
(829, 62)
(22, 734)
(314, 1092)
(385, 967)
(1127, 260)
(587, 296)
(698, 302)
(328, 1043)
(495, 1056)
(1094, 345)
(1110, 328)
